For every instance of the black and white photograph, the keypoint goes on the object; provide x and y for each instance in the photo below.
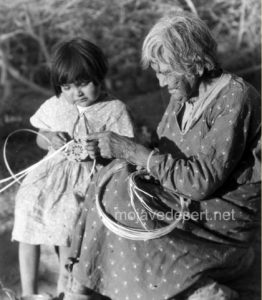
(130, 150)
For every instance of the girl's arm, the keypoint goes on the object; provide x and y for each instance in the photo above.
(40, 141)
(57, 139)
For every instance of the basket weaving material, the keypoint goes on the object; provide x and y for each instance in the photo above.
(127, 231)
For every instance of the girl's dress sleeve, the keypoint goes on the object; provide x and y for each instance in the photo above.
(44, 117)
(198, 175)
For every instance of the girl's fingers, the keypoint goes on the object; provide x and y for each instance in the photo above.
(62, 136)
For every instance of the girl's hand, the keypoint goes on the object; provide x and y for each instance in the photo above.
(58, 139)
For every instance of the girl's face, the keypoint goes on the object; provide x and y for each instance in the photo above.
(81, 94)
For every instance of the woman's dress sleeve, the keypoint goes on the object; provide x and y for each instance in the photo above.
(199, 175)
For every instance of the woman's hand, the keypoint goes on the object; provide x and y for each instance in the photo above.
(91, 146)
(113, 145)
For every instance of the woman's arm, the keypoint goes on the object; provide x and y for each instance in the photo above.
(199, 175)
(222, 150)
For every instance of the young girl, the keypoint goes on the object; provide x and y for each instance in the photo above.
(48, 201)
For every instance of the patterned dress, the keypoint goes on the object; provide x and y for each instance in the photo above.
(49, 199)
(215, 162)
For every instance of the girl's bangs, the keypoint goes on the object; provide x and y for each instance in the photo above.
(73, 70)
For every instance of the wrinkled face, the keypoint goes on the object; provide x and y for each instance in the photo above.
(82, 94)
(178, 83)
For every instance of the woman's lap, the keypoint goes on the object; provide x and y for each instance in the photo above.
(119, 268)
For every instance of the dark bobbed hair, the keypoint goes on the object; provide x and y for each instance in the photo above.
(181, 38)
(75, 61)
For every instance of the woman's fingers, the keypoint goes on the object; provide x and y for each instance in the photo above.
(92, 148)
(96, 136)
(108, 144)
(105, 150)
(98, 141)
(112, 145)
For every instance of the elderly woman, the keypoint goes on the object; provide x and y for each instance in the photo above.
(207, 164)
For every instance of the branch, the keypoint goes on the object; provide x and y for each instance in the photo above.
(4, 78)
(249, 70)
(6, 36)
(16, 75)
(241, 23)
(29, 29)
(192, 7)
(42, 44)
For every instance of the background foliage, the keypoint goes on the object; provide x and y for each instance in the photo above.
(31, 28)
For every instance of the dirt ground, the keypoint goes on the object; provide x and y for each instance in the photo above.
(9, 268)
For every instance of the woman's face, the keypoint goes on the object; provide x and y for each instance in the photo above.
(82, 94)
(178, 83)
